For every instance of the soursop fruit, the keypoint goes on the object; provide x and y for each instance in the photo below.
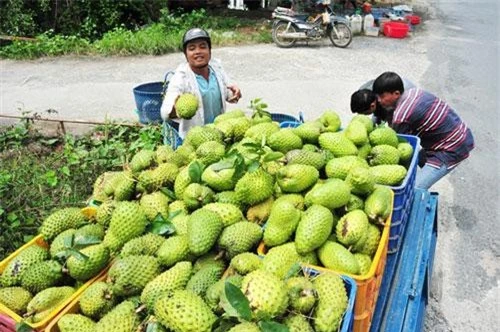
(180, 223)
(339, 167)
(365, 120)
(210, 152)
(58, 245)
(142, 160)
(332, 302)
(364, 262)
(201, 280)
(260, 212)
(215, 295)
(378, 205)
(60, 221)
(154, 179)
(281, 224)
(204, 228)
(308, 132)
(372, 241)
(42, 275)
(184, 311)
(245, 263)
(296, 200)
(304, 157)
(219, 180)
(121, 318)
(240, 237)
(351, 227)
(87, 232)
(182, 181)
(229, 213)
(356, 132)
(15, 298)
(164, 154)
(198, 135)
(384, 135)
(262, 130)
(186, 105)
(232, 114)
(313, 229)
(230, 197)
(279, 260)
(302, 294)
(75, 323)
(297, 178)
(338, 144)
(127, 222)
(84, 269)
(330, 121)
(97, 300)
(13, 272)
(104, 213)
(405, 152)
(284, 141)
(154, 204)
(129, 275)
(297, 323)
(265, 304)
(389, 175)
(208, 259)
(360, 180)
(124, 187)
(43, 303)
(364, 151)
(332, 194)
(147, 244)
(383, 155)
(196, 195)
(245, 327)
(173, 250)
(335, 256)
(254, 187)
(355, 203)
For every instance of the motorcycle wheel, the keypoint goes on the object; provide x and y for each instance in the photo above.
(340, 35)
(281, 27)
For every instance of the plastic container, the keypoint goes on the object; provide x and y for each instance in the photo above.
(280, 117)
(149, 98)
(403, 197)
(413, 19)
(171, 136)
(356, 23)
(38, 241)
(368, 285)
(368, 22)
(396, 29)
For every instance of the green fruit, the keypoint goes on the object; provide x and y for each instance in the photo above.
(142, 160)
(339, 167)
(203, 279)
(304, 157)
(230, 197)
(338, 144)
(405, 152)
(356, 132)
(284, 141)
(297, 178)
(332, 302)
(302, 294)
(232, 114)
(164, 154)
(130, 274)
(180, 223)
(11, 275)
(198, 135)
(154, 179)
(197, 195)
(124, 187)
(75, 323)
(308, 132)
(332, 194)
(372, 241)
(147, 244)
(186, 105)
(97, 300)
(390, 175)
(104, 213)
(175, 278)
(265, 303)
(83, 269)
(245, 327)
(215, 296)
(254, 187)
(351, 227)
(60, 221)
(210, 152)
(260, 212)
(336, 257)
(364, 262)
(246, 262)
(178, 206)
(92, 231)
(209, 259)
(240, 237)
(42, 275)
(15, 298)
(204, 228)
(154, 204)
(384, 135)
(355, 203)
(219, 180)
(298, 323)
(364, 151)
(281, 224)
(46, 301)
(262, 130)
(229, 213)
(58, 245)
(360, 180)
(365, 120)
(173, 250)
(378, 205)
(384, 155)
(184, 311)
(127, 222)
(313, 229)
(279, 260)
(296, 200)
(330, 121)
(121, 318)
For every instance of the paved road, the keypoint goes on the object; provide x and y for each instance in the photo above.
(454, 54)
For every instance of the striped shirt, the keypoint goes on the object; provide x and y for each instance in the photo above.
(445, 138)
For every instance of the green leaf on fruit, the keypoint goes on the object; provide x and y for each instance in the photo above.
(161, 226)
(293, 271)
(238, 301)
(272, 156)
(270, 326)
(195, 170)
(77, 254)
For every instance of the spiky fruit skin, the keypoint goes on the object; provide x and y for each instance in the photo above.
(215, 295)
(258, 131)
(154, 204)
(209, 259)
(186, 105)
(104, 213)
(332, 302)
(304, 157)
(302, 294)
(229, 213)
(93, 231)
(97, 300)
(178, 206)
(254, 187)
(203, 279)
(175, 278)
(281, 224)
(355, 203)
(184, 311)
(180, 223)
(245, 327)
(82, 270)
(332, 194)
(147, 244)
(284, 141)
(240, 237)
(60, 221)
(230, 197)
(204, 228)
(142, 160)
(365, 120)
(41, 276)
(102, 183)
(75, 323)
(313, 229)
(278, 260)
(383, 135)
(219, 180)
(182, 181)
(266, 293)
(161, 176)
(389, 175)
(199, 135)
(260, 212)
(384, 155)
(173, 250)
(130, 274)
(405, 151)
(351, 227)
(336, 257)
(246, 262)
(339, 167)
(124, 187)
(360, 180)
(330, 121)
(364, 262)
(372, 241)
(196, 195)
(11, 275)
(233, 114)
(296, 200)
(210, 152)
(127, 222)
(15, 298)
(364, 151)
(163, 154)
(298, 323)
(308, 132)
(58, 244)
(297, 178)
(378, 205)
(338, 144)
(47, 300)
(356, 132)
(120, 318)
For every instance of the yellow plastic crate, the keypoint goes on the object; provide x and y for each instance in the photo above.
(368, 285)
(39, 241)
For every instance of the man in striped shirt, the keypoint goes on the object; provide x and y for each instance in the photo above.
(444, 137)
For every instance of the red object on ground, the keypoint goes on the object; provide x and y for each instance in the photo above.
(367, 7)
(414, 19)
(396, 29)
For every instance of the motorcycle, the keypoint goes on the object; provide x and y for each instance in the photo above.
(289, 27)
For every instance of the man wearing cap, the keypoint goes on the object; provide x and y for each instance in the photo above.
(202, 76)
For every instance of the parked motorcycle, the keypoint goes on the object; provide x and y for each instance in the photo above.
(289, 27)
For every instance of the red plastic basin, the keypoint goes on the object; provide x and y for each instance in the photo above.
(414, 19)
(396, 29)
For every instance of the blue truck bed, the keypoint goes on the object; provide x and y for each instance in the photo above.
(405, 287)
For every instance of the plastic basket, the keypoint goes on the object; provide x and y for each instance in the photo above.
(280, 117)
(396, 29)
(149, 98)
(368, 285)
(403, 197)
(38, 241)
(171, 135)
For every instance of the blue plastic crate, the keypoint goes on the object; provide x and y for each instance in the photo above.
(171, 135)
(290, 124)
(280, 117)
(351, 288)
(403, 196)
(149, 98)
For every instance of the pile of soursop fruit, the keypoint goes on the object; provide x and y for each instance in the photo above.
(180, 230)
